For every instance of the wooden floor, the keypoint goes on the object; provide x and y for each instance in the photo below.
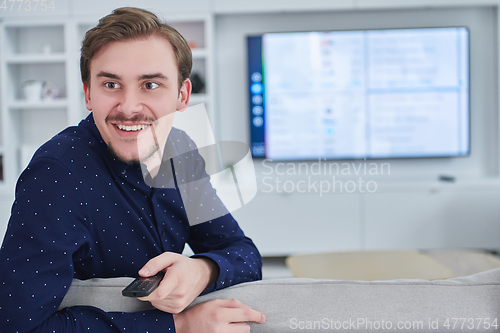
(459, 262)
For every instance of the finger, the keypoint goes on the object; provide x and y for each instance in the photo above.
(167, 284)
(238, 328)
(248, 314)
(238, 315)
(157, 264)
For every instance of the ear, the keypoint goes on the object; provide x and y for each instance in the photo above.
(184, 94)
(86, 90)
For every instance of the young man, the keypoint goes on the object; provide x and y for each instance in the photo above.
(83, 209)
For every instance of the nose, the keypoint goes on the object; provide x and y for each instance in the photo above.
(131, 102)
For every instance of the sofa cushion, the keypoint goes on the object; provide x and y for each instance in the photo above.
(452, 305)
(105, 294)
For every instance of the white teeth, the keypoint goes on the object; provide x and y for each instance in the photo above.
(131, 128)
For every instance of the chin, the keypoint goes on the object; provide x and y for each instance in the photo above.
(124, 156)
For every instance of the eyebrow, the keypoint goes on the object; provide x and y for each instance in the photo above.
(142, 77)
(152, 76)
(109, 75)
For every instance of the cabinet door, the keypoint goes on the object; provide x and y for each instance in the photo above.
(423, 220)
(295, 223)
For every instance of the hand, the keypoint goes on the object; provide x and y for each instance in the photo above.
(185, 278)
(218, 315)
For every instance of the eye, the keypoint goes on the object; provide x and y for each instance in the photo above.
(112, 85)
(151, 85)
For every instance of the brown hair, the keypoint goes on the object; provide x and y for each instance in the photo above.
(133, 23)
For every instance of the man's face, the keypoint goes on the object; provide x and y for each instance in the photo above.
(133, 83)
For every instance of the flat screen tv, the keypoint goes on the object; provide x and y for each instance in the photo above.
(395, 93)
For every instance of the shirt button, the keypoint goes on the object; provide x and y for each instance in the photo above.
(124, 172)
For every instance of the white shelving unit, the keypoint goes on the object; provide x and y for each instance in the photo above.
(79, 28)
(198, 31)
(34, 50)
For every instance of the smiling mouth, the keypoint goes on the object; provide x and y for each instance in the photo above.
(132, 128)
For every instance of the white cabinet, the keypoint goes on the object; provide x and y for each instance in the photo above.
(422, 216)
(281, 224)
(420, 219)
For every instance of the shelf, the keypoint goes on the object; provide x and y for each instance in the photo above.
(192, 30)
(34, 39)
(35, 58)
(199, 53)
(44, 104)
(18, 74)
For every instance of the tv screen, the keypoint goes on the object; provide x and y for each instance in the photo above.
(397, 93)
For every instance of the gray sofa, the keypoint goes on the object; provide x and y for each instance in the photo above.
(464, 304)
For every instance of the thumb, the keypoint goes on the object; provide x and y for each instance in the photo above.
(157, 264)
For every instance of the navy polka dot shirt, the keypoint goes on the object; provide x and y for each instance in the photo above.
(81, 213)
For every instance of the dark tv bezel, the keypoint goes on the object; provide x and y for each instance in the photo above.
(323, 158)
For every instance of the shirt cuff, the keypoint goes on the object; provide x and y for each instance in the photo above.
(225, 269)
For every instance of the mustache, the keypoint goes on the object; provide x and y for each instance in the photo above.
(135, 118)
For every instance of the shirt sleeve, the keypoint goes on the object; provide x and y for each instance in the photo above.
(47, 233)
(214, 233)
(224, 242)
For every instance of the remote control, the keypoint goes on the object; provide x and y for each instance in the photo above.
(143, 286)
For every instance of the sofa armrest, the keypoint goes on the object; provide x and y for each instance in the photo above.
(105, 294)
(317, 305)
